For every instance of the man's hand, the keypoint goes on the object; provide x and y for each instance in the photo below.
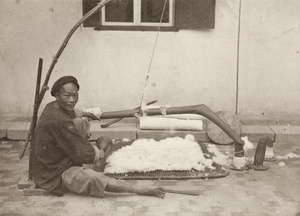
(92, 113)
(91, 116)
(104, 143)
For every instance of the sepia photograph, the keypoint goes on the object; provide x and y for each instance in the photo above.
(150, 107)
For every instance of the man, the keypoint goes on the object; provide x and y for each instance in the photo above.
(61, 150)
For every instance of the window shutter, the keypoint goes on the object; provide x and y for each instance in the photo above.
(94, 20)
(193, 14)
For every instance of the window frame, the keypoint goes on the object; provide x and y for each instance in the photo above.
(188, 14)
(137, 9)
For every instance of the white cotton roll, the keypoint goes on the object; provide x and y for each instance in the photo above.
(161, 123)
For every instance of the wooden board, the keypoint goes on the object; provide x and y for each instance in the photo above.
(216, 134)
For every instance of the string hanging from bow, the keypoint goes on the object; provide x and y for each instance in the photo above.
(153, 51)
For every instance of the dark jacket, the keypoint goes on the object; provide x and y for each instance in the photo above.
(57, 147)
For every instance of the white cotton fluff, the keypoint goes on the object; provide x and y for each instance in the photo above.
(95, 111)
(287, 156)
(247, 144)
(190, 137)
(269, 152)
(292, 155)
(125, 140)
(281, 164)
(148, 155)
(218, 158)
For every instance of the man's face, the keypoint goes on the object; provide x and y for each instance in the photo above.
(67, 97)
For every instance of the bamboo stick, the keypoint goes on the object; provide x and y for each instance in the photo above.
(192, 193)
(35, 110)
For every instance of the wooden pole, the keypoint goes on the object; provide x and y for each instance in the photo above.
(196, 109)
(34, 119)
(119, 119)
(35, 109)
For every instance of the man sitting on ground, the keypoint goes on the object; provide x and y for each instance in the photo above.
(61, 150)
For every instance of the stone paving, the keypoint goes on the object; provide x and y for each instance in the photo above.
(242, 193)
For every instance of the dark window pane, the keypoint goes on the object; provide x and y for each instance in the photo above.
(152, 11)
(119, 11)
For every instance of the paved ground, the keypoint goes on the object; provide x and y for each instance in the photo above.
(242, 193)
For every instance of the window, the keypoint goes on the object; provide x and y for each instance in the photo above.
(147, 14)
(138, 13)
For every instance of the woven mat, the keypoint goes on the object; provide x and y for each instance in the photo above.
(168, 175)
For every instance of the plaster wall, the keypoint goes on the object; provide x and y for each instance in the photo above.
(189, 67)
(269, 59)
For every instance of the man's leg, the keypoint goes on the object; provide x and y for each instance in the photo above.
(118, 186)
(89, 182)
(84, 181)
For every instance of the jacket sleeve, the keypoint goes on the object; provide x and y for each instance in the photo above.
(74, 146)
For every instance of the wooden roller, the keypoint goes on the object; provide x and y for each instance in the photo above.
(216, 134)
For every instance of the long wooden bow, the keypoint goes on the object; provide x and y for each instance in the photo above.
(40, 96)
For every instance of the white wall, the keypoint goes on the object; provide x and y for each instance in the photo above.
(189, 67)
(270, 57)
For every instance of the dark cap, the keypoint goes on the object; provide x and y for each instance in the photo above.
(62, 81)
